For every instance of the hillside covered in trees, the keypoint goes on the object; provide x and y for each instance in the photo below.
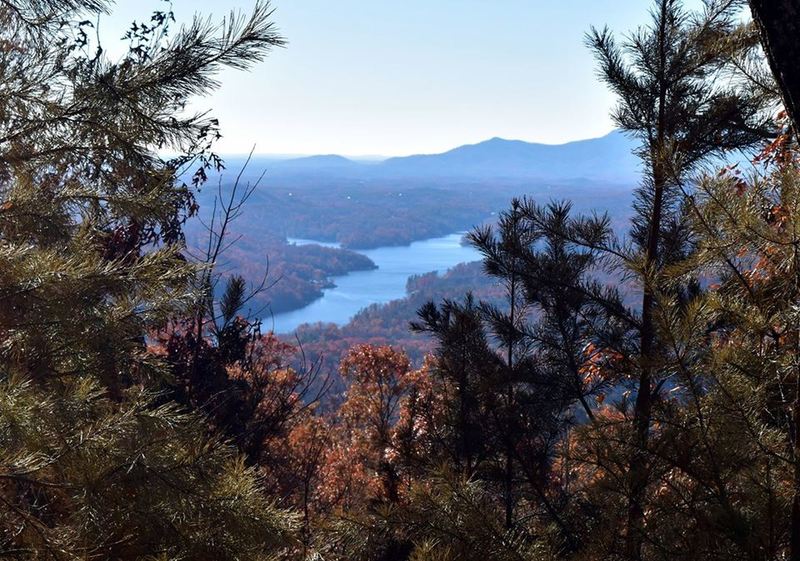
(588, 392)
(291, 275)
(388, 324)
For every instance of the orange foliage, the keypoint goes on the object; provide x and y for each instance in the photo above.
(599, 365)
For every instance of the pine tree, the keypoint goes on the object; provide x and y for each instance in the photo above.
(502, 262)
(93, 463)
(663, 75)
(465, 369)
(747, 229)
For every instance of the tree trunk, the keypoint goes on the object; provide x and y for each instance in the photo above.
(779, 24)
(509, 475)
(642, 410)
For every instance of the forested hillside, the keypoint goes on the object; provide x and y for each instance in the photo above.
(364, 213)
(354, 216)
(620, 386)
(388, 324)
(291, 275)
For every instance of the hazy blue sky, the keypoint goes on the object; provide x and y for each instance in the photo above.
(363, 77)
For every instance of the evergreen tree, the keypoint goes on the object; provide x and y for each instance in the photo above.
(465, 370)
(664, 77)
(747, 227)
(92, 463)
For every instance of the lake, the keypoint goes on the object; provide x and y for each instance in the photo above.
(359, 289)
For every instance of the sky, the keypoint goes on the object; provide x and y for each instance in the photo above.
(387, 78)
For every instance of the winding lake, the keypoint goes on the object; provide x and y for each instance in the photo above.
(359, 289)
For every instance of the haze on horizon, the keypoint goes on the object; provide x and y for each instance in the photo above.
(363, 78)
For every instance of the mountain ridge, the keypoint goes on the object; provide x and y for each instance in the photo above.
(606, 158)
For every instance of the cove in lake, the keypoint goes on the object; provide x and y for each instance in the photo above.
(359, 289)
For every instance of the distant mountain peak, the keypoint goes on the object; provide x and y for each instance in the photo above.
(606, 158)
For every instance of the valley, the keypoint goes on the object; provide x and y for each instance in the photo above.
(392, 331)
(357, 211)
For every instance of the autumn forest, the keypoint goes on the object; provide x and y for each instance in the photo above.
(599, 386)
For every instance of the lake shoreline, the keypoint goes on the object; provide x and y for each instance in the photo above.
(359, 289)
